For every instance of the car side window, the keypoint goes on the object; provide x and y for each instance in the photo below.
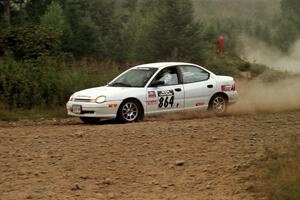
(168, 75)
(192, 74)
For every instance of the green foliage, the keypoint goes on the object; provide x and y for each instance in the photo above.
(291, 10)
(286, 34)
(126, 8)
(262, 31)
(124, 31)
(85, 39)
(258, 69)
(238, 10)
(54, 17)
(245, 67)
(35, 9)
(270, 76)
(137, 37)
(176, 33)
(281, 174)
(30, 42)
(276, 22)
(44, 82)
(283, 29)
(36, 113)
(94, 30)
(226, 63)
(163, 30)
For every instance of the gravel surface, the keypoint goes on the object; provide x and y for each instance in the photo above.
(202, 158)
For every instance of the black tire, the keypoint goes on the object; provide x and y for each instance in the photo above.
(130, 111)
(90, 120)
(218, 104)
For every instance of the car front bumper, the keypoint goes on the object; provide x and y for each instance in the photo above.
(106, 110)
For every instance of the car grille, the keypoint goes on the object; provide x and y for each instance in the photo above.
(82, 100)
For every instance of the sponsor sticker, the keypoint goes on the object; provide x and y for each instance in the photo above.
(200, 104)
(152, 102)
(151, 94)
(165, 93)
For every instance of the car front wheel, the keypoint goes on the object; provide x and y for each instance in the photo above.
(218, 104)
(130, 111)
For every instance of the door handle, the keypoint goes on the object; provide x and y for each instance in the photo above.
(210, 86)
(178, 89)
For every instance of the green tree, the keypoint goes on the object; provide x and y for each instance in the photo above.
(54, 17)
(35, 9)
(94, 29)
(137, 37)
(86, 39)
(291, 10)
(176, 33)
(13, 12)
(285, 34)
(5, 8)
(30, 42)
(164, 30)
(286, 27)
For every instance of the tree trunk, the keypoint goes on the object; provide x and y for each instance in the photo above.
(6, 4)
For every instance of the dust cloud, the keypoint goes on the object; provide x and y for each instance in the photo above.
(259, 52)
(258, 96)
(255, 96)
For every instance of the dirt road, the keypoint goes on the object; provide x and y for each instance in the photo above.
(201, 158)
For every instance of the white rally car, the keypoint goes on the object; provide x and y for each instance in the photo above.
(154, 88)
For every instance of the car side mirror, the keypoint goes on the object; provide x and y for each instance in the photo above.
(157, 83)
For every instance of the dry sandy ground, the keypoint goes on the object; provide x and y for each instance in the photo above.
(203, 158)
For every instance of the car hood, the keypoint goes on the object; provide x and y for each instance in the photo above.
(93, 93)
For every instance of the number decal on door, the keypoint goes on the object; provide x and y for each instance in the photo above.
(166, 99)
(164, 102)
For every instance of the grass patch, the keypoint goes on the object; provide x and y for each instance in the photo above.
(281, 174)
(49, 82)
(32, 114)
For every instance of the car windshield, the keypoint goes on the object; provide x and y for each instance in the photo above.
(137, 77)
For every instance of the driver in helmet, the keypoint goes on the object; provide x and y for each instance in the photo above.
(166, 77)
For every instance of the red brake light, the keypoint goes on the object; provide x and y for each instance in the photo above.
(234, 86)
(228, 87)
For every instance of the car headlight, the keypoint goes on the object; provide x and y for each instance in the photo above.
(100, 99)
(72, 98)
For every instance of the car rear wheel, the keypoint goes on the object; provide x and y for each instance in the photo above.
(218, 104)
(130, 111)
(90, 120)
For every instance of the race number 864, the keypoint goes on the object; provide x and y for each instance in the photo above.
(164, 102)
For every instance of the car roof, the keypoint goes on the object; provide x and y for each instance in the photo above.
(160, 65)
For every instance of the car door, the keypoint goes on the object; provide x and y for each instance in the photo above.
(198, 86)
(168, 96)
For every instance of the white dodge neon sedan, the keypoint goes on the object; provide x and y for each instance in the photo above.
(154, 88)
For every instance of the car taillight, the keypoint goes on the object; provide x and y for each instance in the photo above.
(234, 86)
(228, 87)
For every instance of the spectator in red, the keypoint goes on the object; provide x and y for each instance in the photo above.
(221, 44)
